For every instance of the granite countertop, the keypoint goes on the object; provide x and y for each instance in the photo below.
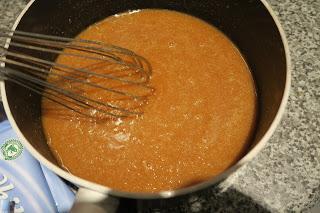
(285, 176)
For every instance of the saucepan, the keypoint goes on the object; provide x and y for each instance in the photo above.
(250, 24)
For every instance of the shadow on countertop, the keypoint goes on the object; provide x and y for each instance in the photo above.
(208, 200)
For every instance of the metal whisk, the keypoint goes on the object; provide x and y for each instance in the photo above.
(119, 74)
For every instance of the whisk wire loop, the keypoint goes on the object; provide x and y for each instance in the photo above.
(120, 72)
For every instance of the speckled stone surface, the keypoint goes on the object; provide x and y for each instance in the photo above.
(285, 176)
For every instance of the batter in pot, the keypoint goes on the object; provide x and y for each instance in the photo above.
(198, 122)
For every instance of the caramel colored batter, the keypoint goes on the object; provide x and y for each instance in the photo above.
(197, 124)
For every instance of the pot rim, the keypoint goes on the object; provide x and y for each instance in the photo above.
(163, 194)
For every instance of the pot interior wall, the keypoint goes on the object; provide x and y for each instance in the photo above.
(247, 23)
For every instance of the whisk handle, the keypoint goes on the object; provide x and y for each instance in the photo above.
(92, 201)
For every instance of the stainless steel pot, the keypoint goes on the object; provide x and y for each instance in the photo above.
(250, 24)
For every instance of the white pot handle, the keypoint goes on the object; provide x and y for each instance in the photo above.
(92, 201)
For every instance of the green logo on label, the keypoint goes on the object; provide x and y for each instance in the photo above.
(11, 149)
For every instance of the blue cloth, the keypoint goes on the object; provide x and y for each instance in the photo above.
(25, 185)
